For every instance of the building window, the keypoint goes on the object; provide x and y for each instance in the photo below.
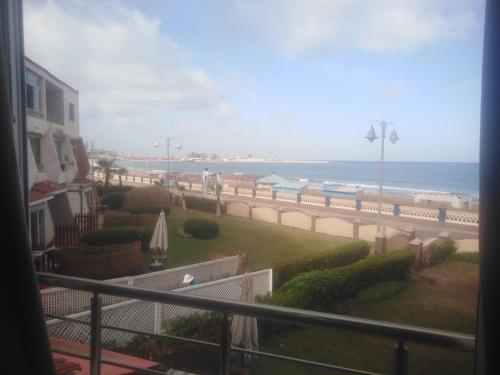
(71, 112)
(37, 227)
(35, 147)
(33, 91)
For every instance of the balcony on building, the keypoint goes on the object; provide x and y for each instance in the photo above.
(55, 103)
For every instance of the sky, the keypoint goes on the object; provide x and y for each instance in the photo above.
(288, 79)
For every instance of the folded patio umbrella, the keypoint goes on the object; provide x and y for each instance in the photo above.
(159, 240)
(244, 328)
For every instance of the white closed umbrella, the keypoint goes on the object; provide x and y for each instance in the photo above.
(244, 328)
(159, 240)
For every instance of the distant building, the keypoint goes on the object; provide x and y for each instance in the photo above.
(290, 187)
(453, 200)
(269, 181)
(343, 191)
(57, 159)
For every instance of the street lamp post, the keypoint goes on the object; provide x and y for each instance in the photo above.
(177, 146)
(371, 136)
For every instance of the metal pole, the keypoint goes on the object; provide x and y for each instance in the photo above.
(225, 344)
(400, 364)
(95, 335)
(383, 125)
(168, 165)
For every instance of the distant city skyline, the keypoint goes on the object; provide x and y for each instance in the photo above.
(299, 80)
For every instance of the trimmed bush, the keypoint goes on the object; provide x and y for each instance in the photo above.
(114, 200)
(119, 235)
(194, 325)
(102, 262)
(197, 203)
(466, 256)
(149, 210)
(101, 190)
(440, 251)
(111, 221)
(336, 257)
(322, 290)
(201, 228)
(148, 196)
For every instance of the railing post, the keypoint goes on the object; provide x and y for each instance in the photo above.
(273, 192)
(254, 193)
(442, 215)
(397, 209)
(157, 317)
(328, 202)
(358, 205)
(400, 364)
(225, 344)
(95, 334)
(236, 190)
(299, 198)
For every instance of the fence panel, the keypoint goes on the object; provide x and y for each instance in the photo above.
(67, 235)
(148, 316)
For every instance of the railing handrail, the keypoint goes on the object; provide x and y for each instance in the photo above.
(395, 331)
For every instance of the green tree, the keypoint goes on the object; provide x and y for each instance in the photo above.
(106, 166)
(121, 171)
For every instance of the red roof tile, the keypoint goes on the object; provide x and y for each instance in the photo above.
(48, 187)
(38, 196)
(106, 369)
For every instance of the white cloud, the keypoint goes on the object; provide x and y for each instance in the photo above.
(226, 110)
(394, 90)
(301, 26)
(129, 73)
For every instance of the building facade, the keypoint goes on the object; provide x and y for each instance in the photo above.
(57, 161)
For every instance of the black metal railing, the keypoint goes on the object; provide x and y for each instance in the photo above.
(400, 333)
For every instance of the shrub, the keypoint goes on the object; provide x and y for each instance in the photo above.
(149, 210)
(466, 256)
(102, 190)
(194, 325)
(102, 262)
(322, 290)
(201, 228)
(113, 200)
(200, 204)
(440, 251)
(336, 257)
(130, 220)
(150, 196)
(113, 236)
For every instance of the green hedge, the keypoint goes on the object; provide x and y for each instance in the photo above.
(197, 203)
(440, 251)
(201, 228)
(194, 325)
(336, 257)
(322, 290)
(148, 210)
(102, 262)
(466, 256)
(102, 190)
(113, 200)
(118, 235)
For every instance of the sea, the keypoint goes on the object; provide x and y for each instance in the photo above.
(399, 177)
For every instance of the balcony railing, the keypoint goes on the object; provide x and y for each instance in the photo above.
(400, 333)
(56, 119)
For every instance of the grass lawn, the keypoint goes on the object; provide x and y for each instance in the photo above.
(266, 244)
(442, 297)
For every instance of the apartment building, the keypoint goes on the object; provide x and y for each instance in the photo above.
(57, 160)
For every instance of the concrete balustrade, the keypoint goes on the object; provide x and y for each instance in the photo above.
(441, 215)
